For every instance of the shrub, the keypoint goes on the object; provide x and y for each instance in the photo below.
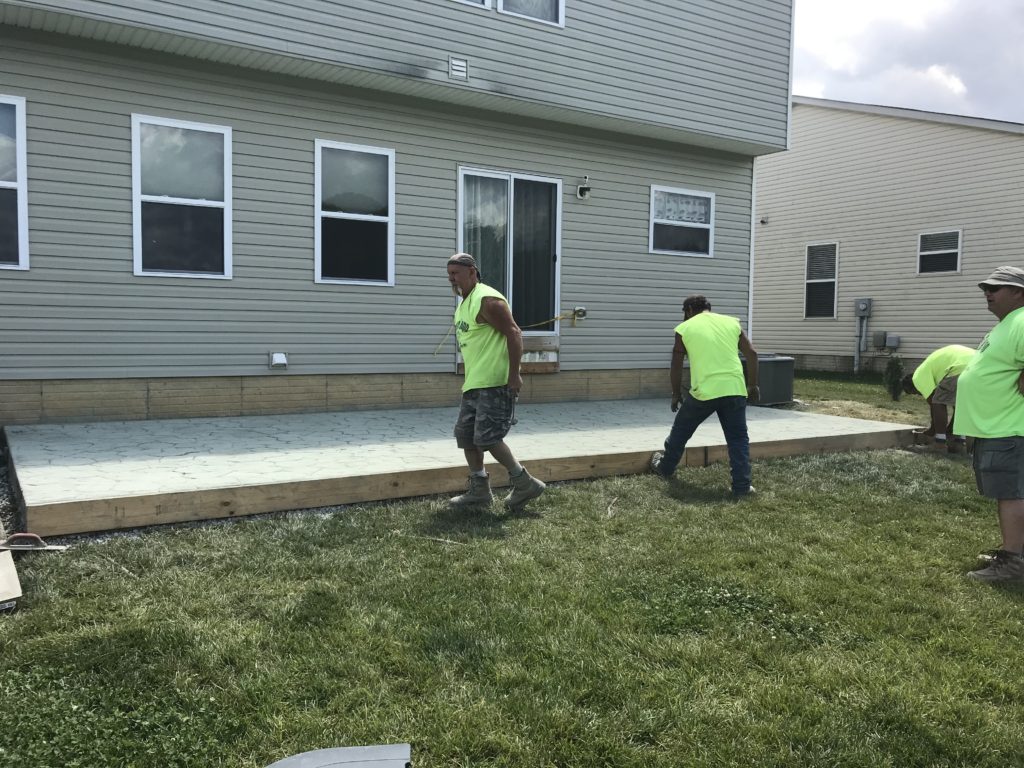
(892, 378)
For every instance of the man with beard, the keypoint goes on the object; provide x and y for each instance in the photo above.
(990, 408)
(491, 345)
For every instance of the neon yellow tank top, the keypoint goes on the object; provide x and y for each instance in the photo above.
(484, 350)
(712, 344)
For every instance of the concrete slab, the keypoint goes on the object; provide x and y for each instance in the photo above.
(86, 477)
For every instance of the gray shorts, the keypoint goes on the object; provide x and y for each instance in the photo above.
(945, 392)
(999, 467)
(485, 418)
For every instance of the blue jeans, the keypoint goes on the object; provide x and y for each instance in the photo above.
(732, 415)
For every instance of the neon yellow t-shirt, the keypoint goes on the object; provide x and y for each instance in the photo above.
(943, 362)
(484, 349)
(987, 401)
(712, 344)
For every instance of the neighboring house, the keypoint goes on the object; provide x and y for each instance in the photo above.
(908, 209)
(187, 188)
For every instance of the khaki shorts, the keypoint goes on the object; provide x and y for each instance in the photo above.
(999, 467)
(485, 418)
(945, 392)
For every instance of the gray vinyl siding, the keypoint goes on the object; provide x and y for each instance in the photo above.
(712, 68)
(80, 312)
(874, 183)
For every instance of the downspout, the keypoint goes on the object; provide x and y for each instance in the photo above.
(860, 339)
(753, 224)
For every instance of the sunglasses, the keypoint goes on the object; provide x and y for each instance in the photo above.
(992, 288)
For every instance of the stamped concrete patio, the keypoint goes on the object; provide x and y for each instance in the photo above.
(73, 478)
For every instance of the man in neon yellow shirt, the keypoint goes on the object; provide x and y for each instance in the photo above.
(717, 385)
(990, 408)
(491, 345)
(935, 379)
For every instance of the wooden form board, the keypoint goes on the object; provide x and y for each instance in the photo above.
(155, 509)
(10, 586)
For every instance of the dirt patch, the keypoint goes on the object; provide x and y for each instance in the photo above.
(855, 410)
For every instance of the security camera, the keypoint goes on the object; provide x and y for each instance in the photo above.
(583, 190)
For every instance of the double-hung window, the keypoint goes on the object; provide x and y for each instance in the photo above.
(548, 11)
(938, 252)
(181, 181)
(820, 280)
(682, 222)
(355, 214)
(13, 184)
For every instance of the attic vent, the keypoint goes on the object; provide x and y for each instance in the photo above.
(458, 69)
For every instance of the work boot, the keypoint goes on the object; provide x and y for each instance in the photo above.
(524, 488)
(1002, 567)
(478, 495)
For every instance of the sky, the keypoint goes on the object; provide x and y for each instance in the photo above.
(964, 57)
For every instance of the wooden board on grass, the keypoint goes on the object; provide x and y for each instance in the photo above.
(10, 586)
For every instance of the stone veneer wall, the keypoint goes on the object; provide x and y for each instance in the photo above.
(70, 400)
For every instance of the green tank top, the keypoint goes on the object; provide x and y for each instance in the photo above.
(484, 350)
(712, 344)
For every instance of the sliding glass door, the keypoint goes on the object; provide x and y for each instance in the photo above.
(511, 224)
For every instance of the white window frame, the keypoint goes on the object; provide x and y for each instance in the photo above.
(655, 188)
(21, 185)
(138, 198)
(511, 177)
(959, 251)
(319, 214)
(485, 4)
(833, 280)
(559, 23)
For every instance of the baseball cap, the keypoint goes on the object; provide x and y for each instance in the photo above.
(1005, 276)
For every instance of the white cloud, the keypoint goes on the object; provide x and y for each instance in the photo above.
(960, 56)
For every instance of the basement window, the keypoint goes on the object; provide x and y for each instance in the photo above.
(938, 252)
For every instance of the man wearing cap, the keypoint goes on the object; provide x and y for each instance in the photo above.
(491, 345)
(717, 385)
(935, 379)
(990, 408)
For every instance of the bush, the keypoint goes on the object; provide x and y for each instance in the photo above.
(892, 379)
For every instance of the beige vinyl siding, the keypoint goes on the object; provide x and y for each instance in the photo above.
(80, 312)
(874, 183)
(718, 69)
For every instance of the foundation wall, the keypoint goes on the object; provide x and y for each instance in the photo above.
(77, 400)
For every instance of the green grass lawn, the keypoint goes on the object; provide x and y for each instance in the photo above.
(628, 622)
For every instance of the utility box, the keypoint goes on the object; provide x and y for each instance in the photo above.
(892, 341)
(775, 379)
(862, 307)
(878, 339)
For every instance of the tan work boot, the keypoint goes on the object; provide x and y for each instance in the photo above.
(524, 488)
(478, 495)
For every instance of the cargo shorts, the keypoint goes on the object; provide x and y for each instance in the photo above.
(945, 392)
(486, 416)
(999, 467)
